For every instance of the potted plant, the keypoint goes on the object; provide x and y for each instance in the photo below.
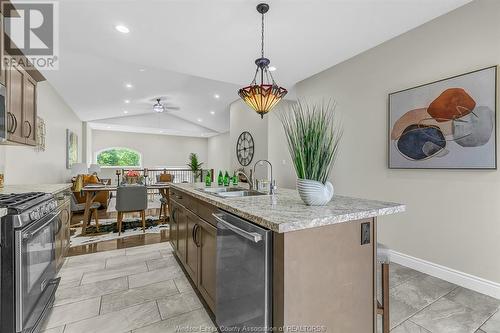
(195, 165)
(313, 134)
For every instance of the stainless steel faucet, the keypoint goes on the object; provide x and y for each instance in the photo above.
(272, 186)
(249, 178)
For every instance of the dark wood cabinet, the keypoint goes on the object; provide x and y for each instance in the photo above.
(15, 85)
(207, 256)
(21, 106)
(174, 210)
(195, 241)
(192, 222)
(29, 109)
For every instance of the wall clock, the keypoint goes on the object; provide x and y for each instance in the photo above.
(245, 148)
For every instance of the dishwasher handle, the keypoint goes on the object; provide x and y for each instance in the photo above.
(253, 236)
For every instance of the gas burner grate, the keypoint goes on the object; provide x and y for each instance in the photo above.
(13, 200)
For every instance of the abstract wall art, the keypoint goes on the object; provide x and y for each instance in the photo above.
(447, 124)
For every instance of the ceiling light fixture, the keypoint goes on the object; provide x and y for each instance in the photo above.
(142, 70)
(125, 111)
(129, 85)
(158, 107)
(216, 96)
(200, 120)
(212, 112)
(123, 29)
(264, 96)
(127, 101)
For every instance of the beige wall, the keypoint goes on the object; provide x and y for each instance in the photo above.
(156, 150)
(453, 216)
(219, 153)
(24, 165)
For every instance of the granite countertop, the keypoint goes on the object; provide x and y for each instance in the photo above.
(285, 211)
(46, 188)
(3, 212)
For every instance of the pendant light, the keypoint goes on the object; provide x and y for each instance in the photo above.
(263, 96)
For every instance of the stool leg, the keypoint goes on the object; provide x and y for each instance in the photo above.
(143, 216)
(96, 220)
(119, 222)
(385, 298)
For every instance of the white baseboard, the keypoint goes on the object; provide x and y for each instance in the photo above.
(462, 279)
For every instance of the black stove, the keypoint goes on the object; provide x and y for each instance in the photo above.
(28, 267)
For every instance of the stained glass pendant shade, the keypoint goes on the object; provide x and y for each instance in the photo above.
(263, 96)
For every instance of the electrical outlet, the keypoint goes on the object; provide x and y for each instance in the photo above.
(365, 233)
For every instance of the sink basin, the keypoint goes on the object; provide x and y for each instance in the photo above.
(221, 189)
(230, 192)
(233, 194)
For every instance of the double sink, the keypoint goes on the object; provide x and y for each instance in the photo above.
(230, 192)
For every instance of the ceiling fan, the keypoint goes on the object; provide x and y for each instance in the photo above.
(160, 107)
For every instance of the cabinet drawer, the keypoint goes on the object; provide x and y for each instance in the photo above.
(185, 200)
(205, 211)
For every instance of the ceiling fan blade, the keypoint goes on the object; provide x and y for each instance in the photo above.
(172, 107)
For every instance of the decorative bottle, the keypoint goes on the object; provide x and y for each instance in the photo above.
(220, 179)
(226, 179)
(208, 179)
(235, 179)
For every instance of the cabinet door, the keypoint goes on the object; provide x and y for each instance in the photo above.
(15, 103)
(29, 110)
(174, 212)
(207, 240)
(181, 232)
(192, 246)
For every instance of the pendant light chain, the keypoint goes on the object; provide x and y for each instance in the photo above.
(262, 36)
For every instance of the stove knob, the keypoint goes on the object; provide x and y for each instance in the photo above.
(35, 215)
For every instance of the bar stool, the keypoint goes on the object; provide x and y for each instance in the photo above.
(163, 209)
(383, 309)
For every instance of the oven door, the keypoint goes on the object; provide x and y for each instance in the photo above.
(35, 267)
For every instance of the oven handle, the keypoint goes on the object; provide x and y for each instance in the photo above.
(31, 233)
(253, 236)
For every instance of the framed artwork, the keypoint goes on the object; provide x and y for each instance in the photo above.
(447, 124)
(71, 148)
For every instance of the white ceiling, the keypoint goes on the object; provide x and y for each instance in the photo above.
(193, 49)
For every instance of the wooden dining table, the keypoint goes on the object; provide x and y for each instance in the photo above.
(91, 192)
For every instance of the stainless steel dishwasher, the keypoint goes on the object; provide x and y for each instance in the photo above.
(244, 273)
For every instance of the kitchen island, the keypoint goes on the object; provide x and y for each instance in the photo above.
(322, 259)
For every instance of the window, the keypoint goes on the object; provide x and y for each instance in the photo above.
(122, 157)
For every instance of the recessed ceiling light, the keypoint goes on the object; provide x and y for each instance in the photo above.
(123, 29)
(212, 112)
(126, 101)
(129, 85)
(108, 127)
(216, 96)
(272, 68)
(200, 120)
(161, 131)
(141, 70)
(125, 111)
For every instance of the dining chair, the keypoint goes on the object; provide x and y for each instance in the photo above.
(80, 207)
(164, 178)
(130, 199)
(383, 258)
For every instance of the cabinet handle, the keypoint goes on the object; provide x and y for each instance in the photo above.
(15, 123)
(10, 124)
(195, 235)
(173, 215)
(29, 124)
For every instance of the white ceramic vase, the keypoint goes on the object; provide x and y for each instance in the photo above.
(315, 193)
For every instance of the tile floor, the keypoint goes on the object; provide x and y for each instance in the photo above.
(143, 289)
(137, 289)
(420, 303)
